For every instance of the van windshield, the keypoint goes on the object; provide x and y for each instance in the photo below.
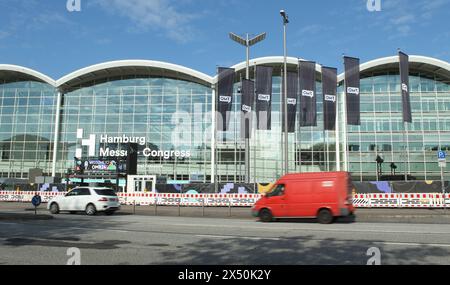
(277, 190)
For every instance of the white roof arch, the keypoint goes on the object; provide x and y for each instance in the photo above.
(102, 69)
(414, 59)
(28, 73)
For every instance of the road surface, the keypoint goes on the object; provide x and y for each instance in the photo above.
(136, 239)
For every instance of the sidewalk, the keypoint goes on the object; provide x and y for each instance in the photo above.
(378, 215)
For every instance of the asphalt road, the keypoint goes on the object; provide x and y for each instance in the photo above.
(137, 239)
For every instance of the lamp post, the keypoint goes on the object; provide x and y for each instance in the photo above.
(379, 161)
(286, 156)
(393, 168)
(247, 42)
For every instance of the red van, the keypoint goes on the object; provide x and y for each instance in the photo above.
(322, 195)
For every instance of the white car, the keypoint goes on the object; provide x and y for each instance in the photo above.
(88, 199)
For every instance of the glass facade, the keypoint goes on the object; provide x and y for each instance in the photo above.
(411, 147)
(26, 127)
(142, 107)
(309, 149)
(172, 111)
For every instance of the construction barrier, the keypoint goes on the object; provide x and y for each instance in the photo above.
(19, 196)
(401, 200)
(174, 199)
(397, 200)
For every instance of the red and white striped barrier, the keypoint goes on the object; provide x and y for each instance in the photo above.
(397, 200)
(401, 200)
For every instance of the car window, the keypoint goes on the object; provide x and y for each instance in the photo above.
(105, 192)
(278, 190)
(85, 192)
(74, 192)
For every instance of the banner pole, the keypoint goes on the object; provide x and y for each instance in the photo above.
(406, 156)
(214, 138)
(256, 141)
(337, 135)
(286, 130)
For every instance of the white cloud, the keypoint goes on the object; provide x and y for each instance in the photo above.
(25, 16)
(4, 34)
(154, 15)
(400, 16)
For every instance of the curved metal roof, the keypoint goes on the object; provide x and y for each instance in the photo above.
(131, 67)
(14, 72)
(99, 72)
(417, 63)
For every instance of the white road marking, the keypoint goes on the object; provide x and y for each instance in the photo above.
(277, 228)
(238, 237)
(416, 244)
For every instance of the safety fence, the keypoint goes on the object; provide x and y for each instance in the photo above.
(402, 200)
(397, 200)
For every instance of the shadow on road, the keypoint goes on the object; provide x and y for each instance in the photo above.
(296, 251)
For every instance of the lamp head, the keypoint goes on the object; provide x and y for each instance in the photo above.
(285, 16)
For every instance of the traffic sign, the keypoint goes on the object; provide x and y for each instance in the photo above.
(36, 201)
(441, 155)
(442, 164)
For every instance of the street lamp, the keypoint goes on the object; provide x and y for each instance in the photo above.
(286, 156)
(247, 42)
(393, 168)
(379, 161)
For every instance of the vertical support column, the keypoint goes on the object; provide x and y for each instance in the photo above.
(213, 135)
(56, 132)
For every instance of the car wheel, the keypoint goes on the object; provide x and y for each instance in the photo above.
(90, 210)
(109, 213)
(265, 215)
(325, 216)
(54, 208)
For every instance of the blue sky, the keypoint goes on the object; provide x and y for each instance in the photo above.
(44, 35)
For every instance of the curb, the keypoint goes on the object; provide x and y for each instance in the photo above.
(24, 217)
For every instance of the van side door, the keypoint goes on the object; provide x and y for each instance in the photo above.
(301, 200)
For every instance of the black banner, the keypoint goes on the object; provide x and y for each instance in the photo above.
(224, 97)
(292, 90)
(404, 78)
(247, 102)
(352, 91)
(308, 102)
(264, 97)
(329, 90)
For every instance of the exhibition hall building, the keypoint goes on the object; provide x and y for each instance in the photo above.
(167, 111)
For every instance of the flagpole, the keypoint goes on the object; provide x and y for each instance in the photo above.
(405, 142)
(286, 154)
(282, 121)
(247, 140)
(337, 136)
(256, 141)
(345, 127)
(404, 80)
(214, 138)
